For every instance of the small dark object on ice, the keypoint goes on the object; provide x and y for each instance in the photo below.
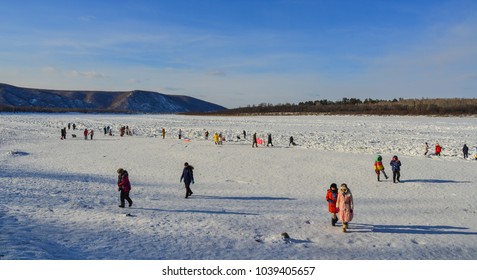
(285, 235)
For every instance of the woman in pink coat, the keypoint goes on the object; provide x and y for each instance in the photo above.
(344, 203)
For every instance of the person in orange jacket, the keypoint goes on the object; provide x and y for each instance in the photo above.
(379, 167)
(331, 196)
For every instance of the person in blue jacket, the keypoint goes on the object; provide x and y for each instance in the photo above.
(396, 167)
(188, 177)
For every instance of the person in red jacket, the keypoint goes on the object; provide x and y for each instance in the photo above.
(438, 149)
(331, 196)
(124, 186)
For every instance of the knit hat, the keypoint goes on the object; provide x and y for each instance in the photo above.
(120, 171)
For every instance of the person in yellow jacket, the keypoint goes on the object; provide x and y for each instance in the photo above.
(216, 138)
(379, 167)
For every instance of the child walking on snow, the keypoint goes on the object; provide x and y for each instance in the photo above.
(379, 167)
(331, 196)
(396, 167)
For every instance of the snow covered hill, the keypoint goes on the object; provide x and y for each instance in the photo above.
(27, 99)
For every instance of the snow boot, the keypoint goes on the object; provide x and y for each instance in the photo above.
(333, 221)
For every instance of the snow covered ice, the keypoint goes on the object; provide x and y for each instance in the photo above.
(60, 200)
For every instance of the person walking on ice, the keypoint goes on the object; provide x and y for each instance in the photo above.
(396, 167)
(188, 177)
(331, 196)
(344, 203)
(292, 142)
(465, 150)
(124, 186)
(269, 142)
(379, 167)
(438, 150)
(254, 140)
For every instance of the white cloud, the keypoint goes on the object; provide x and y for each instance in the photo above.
(88, 74)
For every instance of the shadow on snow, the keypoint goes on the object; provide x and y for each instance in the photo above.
(434, 181)
(69, 177)
(243, 197)
(199, 211)
(412, 229)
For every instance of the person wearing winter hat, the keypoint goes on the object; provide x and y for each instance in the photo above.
(396, 167)
(124, 187)
(344, 203)
(331, 196)
(379, 167)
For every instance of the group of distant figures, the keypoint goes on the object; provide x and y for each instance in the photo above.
(124, 130)
(438, 149)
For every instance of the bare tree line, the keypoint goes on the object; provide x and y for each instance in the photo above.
(438, 107)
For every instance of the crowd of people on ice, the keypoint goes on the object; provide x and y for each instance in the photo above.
(340, 199)
(123, 130)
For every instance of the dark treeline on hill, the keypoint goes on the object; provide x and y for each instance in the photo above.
(354, 106)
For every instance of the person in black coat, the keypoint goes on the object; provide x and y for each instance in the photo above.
(292, 142)
(465, 150)
(269, 142)
(188, 177)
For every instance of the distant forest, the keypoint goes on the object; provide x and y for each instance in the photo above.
(354, 106)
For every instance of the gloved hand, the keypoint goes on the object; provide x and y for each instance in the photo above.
(193, 182)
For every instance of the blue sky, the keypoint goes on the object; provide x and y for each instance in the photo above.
(243, 52)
